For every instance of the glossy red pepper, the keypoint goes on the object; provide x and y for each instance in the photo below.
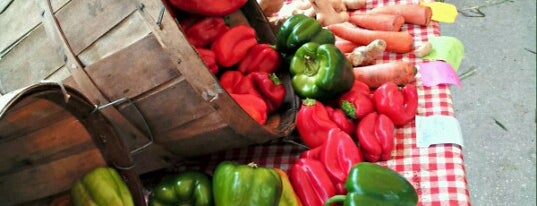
(313, 123)
(313, 153)
(375, 134)
(270, 88)
(253, 105)
(261, 57)
(208, 7)
(209, 59)
(205, 31)
(399, 105)
(311, 182)
(231, 47)
(230, 79)
(339, 153)
(356, 103)
(340, 118)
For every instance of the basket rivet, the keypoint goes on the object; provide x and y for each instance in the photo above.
(43, 13)
(179, 61)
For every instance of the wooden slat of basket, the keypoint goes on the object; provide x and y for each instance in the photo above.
(31, 61)
(127, 32)
(93, 19)
(61, 137)
(18, 125)
(38, 179)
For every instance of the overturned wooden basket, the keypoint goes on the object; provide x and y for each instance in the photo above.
(135, 50)
(50, 136)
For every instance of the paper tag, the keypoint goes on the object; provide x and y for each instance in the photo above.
(438, 72)
(437, 129)
(442, 12)
(445, 48)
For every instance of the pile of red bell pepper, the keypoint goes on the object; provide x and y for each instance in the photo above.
(245, 68)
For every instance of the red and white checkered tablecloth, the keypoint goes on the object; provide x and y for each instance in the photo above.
(437, 172)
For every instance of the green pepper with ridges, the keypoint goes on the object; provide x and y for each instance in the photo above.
(374, 185)
(238, 184)
(320, 71)
(188, 188)
(300, 29)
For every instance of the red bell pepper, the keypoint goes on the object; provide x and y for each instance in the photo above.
(399, 105)
(209, 59)
(339, 153)
(311, 182)
(313, 153)
(313, 123)
(356, 103)
(261, 84)
(231, 47)
(270, 88)
(375, 134)
(253, 105)
(261, 57)
(208, 7)
(230, 79)
(340, 118)
(205, 31)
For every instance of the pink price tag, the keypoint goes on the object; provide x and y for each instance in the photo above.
(438, 72)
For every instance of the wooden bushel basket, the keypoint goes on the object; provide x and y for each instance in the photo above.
(135, 50)
(50, 136)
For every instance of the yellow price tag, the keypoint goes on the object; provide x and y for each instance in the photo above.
(442, 12)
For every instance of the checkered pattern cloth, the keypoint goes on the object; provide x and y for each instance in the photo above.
(437, 172)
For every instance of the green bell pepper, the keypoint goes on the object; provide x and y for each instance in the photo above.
(371, 184)
(99, 187)
(300, 29)
(320, 71)
(237, 184)
(186, 188)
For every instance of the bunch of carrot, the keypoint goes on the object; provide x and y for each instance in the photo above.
(383, 23)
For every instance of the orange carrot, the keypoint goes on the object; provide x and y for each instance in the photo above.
(399, 42)
(380, 22)
(398, 72)
(345, 46)
(413, 13)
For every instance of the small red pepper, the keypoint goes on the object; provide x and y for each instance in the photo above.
(253, 105)
(209, 59)
(340, 118)
(270, 88)
(375, 134)
(231, 47)
(205, 31)
(339, 153)
(311, 182)
(399, 105)
(230, 79)
(356, 103)
(313, 123)
(208, 7)
(261, 57)
(313, 153)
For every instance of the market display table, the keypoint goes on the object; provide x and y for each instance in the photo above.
(437, 172)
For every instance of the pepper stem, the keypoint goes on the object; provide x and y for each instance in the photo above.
(349, 109)
(334, 199)
(252, 164)
(311, 66)
(275, 79)
(308, 102)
